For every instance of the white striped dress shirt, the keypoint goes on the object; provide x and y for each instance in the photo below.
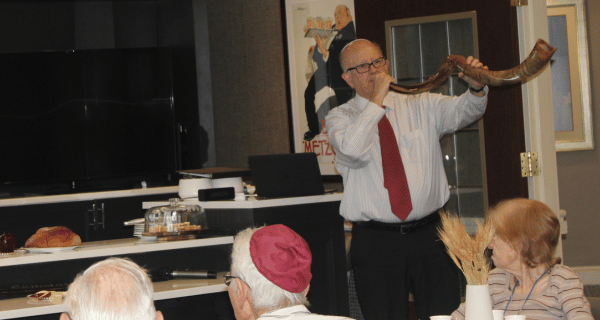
(418, 121)
(562, 298)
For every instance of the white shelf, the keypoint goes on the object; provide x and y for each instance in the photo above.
(251, 202)
(188, 287)
(109, 248)
(23, 307)
(86, 196)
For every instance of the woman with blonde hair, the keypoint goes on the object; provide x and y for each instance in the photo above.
(528, 278)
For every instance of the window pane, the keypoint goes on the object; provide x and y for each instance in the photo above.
(407, 54)
(461, 37)
(449, 157)
(434, 40)
(468, 158)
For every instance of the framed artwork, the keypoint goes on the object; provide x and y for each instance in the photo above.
(317, 31)
(570, 75)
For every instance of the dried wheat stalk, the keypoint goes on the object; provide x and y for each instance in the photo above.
(467, 252)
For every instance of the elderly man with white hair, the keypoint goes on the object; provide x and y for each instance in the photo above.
(115, 289)
(270, 275)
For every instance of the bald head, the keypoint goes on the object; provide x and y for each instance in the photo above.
(115, 285)
(353, 49)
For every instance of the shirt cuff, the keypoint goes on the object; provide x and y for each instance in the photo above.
(486, 89)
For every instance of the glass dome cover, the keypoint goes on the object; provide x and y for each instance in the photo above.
(176, 219)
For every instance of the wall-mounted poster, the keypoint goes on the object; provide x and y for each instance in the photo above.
(317, 31)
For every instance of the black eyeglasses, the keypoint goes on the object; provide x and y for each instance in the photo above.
(227, 278)
(365, 67)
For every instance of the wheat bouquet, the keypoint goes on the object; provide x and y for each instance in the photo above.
(467, 252)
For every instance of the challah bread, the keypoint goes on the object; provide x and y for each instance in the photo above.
(50, 237)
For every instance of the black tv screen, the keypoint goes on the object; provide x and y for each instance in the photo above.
(81, 118)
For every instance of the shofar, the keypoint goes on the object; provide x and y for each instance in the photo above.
(535, 62)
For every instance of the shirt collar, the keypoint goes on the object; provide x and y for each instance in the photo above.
(297, 309)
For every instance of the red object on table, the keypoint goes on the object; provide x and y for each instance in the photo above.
(7, 243)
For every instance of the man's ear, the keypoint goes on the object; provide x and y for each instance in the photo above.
(159, 316)
(245, 307)
(242, 289)
(305, 292)
(346, 76)
(64, 316)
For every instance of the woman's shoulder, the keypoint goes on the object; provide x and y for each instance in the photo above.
(562, 273)
(563, 280)
(498, 276)
(561, 269)
(498, 282)
(497, 272)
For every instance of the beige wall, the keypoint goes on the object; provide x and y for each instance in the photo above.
(579, 171)
(248, 80)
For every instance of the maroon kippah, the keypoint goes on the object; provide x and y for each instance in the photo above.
(282, 256)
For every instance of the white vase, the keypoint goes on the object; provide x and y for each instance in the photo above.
(478, 304)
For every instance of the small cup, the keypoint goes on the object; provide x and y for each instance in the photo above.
(440, 318)
(515, 317)
(498, 314)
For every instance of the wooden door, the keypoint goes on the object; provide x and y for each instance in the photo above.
(499, 50)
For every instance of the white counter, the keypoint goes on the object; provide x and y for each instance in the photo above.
(251, 202)
(109, 248)
(24, 307)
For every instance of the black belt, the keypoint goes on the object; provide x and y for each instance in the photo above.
(403, 227)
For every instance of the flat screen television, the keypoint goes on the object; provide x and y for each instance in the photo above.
(89, 120)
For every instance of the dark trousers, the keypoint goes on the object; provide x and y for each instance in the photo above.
(388, 265)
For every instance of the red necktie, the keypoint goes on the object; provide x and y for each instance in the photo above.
(394, 177)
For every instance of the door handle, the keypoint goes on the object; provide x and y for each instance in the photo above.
(96, 220)
(93, 215)
(102, 211)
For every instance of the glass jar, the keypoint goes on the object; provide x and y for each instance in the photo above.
(175, 219)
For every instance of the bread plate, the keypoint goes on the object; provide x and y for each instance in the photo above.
(50, 249)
